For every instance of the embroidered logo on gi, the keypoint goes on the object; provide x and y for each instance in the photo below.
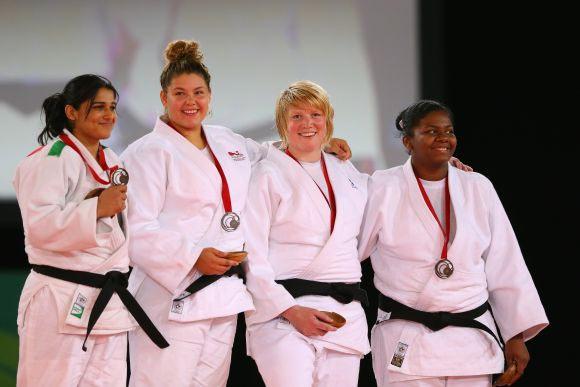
(352, 184)
(79, 306)
(399, 355)
(177, 307)
(237, 156)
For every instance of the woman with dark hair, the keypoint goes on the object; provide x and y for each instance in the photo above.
(71, 193)
(445, 256)
(189, 182)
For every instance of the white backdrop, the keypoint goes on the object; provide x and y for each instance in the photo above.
(364, 53)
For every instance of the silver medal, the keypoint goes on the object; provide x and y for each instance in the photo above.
(120, 177)
(444, 268)
(230, 221)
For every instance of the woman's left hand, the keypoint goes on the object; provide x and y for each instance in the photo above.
(459, 165)
(516, 353)
(339, 147)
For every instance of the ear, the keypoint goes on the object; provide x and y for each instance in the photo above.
(163, 97)
(71, 113)
(408, 144)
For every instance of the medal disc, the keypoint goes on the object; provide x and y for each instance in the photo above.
(444, 268)
(120, 177)
(230, 221)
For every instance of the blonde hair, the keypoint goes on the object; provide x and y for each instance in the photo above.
(303, 93)
(183, 57)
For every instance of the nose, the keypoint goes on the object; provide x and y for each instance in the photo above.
(110, 114)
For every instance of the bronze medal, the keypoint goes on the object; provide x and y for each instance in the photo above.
(444, 268)
(120, 177)
(230, 221)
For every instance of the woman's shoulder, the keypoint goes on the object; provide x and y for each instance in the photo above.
(475, 179)
(151, 143)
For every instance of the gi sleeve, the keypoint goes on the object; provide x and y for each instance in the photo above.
(512, 294)
(51, 222)
(164, 254)
(371, 224)
(270, 298)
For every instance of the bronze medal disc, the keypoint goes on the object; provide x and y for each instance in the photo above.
(444, 268)
(337, 320)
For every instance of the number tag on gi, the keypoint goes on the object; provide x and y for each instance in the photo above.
(399, 355)
(79, 306)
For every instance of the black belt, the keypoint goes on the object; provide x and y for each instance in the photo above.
(112, 282)
(340, 291)
(438, 320)
(206, 280)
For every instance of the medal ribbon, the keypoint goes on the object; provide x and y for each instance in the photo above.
(101, 159)
(332, 202)
(226, 198)
(447, 213)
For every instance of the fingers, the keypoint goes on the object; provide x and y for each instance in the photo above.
(218, 253)
(322, 316)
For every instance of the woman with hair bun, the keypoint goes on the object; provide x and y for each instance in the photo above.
(188, 192)
(445, 256)
(71, 192)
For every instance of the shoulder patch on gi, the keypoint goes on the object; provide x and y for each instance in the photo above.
(56, 148)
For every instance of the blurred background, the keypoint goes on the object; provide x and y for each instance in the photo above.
(490, 62)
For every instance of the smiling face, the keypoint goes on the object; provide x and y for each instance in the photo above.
(186, 101)
(94, 121)
(306, 130)
(433, 141)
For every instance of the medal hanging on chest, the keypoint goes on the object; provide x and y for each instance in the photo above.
(117, 176)
(444, 267)
(230, 220)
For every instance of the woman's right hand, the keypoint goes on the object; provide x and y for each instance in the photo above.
(111, 201)
(308, 321)
(213, 262)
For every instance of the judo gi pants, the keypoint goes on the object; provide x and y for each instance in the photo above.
(286, 358)
(49, 358)
(203, 360)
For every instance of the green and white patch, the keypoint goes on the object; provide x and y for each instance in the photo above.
(79, 306)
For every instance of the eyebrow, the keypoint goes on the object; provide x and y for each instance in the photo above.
(183, 88)
(103, 103)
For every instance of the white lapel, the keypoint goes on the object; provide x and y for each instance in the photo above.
(89, 158)
(301, 178)
(457, 203)
(418, 203)
(190, 152)
(235, 163)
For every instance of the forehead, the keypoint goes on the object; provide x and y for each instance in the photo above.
(187, 81)
(105, 95)
(304, 107)
(436, 118)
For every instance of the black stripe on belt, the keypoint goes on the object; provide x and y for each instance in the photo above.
(112, 282)
(340, 291)
(439, 320)
(206, 280)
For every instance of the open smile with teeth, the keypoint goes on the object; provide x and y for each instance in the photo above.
(442, 149)
(190, 112)
(307, 134)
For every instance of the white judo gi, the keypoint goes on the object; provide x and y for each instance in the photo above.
(175, 210)
(288, 234)
(61, 230)
(404, 242)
